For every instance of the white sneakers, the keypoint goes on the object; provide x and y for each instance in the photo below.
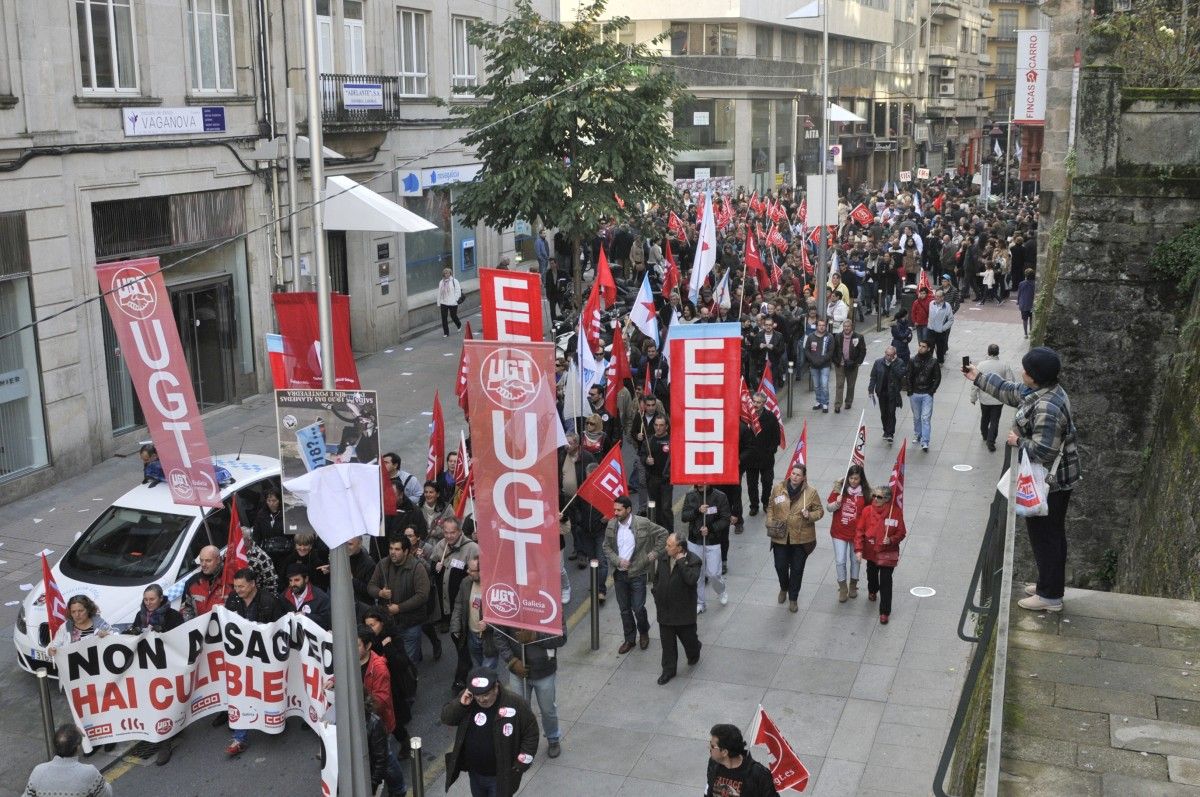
(1036, 603)
(1031, 589)
(725, 598)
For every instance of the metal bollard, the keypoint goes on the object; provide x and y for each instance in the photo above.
(47, 713)
(650, 510)
(879, 311)
(791, 381)
(595, 575)
(418, 767)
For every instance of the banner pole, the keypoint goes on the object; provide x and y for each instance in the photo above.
(348, 706)
(47, 713)
(418, 767)
(594, 566)
(790, 380)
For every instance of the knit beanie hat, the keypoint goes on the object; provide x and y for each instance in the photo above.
(1042, 364)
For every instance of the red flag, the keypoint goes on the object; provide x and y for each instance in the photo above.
(786, 769)
(675, 225)
(617, 372)
(923, 282)
(297, 314)
(800, 452)
(460, 388)
(464, 479)
(938, 201)
(805, 262)
(895, 524)
(746, 410)
(754, 264)
(437, 441)
(606, 483)
(672, 279)
(604, 279)
(647, 388)
(803, 211)
(775, 238)
(701, 200)
(388, 494)
(756, 204)
(767, 386)
(778, 214)
(858, 455)
(815, 236)
(235, 554)
(591, 316)
(862, 214)
(620, 202)
(56, 607)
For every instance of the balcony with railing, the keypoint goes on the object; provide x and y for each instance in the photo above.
(950, 9)
(366, 102)
(942, 54)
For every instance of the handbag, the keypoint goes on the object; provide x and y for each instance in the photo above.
(777, 531)
(1033, 487)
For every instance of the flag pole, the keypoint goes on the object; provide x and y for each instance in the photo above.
(846, 477)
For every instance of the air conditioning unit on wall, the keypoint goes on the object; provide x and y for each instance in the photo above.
(946, 72)
(946, 90)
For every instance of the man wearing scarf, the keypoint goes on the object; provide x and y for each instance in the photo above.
(302, 597)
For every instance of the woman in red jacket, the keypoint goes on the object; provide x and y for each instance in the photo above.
(877, 541)
(920, 313)
(846, 507)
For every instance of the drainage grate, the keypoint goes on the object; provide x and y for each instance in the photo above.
(143, 750)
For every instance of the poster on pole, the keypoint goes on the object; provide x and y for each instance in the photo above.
(813, 186)
(1029, 105)
(511, 304)
(922, 174)
(148, 339)
(319, 428)
(514, 445)
(704, 402)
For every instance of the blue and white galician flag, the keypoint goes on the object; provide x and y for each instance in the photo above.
(643, 315)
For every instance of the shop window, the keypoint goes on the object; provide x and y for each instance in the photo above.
(22, 424)
(451, 245)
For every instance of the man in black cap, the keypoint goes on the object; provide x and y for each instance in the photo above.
(1044, 431)
(304, 598)
(496, 736)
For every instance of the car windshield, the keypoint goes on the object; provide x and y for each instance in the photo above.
(126, 546)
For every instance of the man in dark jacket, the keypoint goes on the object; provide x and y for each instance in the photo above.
(921, 382)
(818, 353)
(886, 387)
(495, 739)
(362, 565)
(304, 598)
(400, 585)
(259, 606)
(732, 772)
(849, 352)
(675, 599)
(532, 665)
(757, 453)
(706, 513)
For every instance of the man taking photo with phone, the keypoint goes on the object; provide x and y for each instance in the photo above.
(496, 737)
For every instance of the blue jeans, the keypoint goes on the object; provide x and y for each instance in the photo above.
(922, 410)
(547, 704)
(241, 735)
(482, 785)
(821, 382)
(411, 637)
(843, 553)
(631, 597)
(394, 776)
(475, 649)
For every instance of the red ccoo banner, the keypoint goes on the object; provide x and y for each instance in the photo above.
(140, 309)
(514, 449)
(511, 302)
(705, 401)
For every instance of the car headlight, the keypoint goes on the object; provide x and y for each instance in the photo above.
(21, 619)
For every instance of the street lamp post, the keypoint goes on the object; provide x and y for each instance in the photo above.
(813, 9)
(348, 704)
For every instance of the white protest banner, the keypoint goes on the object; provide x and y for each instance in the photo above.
(922, 174)
(906, 176)
(150, 686)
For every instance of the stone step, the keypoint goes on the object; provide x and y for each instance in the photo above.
(1154, 736)
(1132, 608)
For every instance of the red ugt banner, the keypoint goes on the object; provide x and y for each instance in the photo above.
(140, 309)
(705, 402)
(515, 455)
(298, 325)
(511, 304)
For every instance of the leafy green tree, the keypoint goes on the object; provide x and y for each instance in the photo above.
(566, 121)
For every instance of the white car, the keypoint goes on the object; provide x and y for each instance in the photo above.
(143, 538)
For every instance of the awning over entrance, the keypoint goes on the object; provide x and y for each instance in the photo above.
(350, 206)
(839, 114)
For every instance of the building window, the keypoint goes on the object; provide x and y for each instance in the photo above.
(1003, 101)
(465, 72)
(720, 39)
(705, 124)
(414, 70)
(107, 60)
(924, 22)
(22, 425)
(789, 42)
(1006, 62)
(1006, 26)
(703, 39)
(211, 24)
(353, 36)
(764, 40)
(812, 49)
(324, 37)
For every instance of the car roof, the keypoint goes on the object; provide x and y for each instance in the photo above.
(244, 469)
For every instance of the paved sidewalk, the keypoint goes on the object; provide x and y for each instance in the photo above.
(867, 707)
(1104, 699)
